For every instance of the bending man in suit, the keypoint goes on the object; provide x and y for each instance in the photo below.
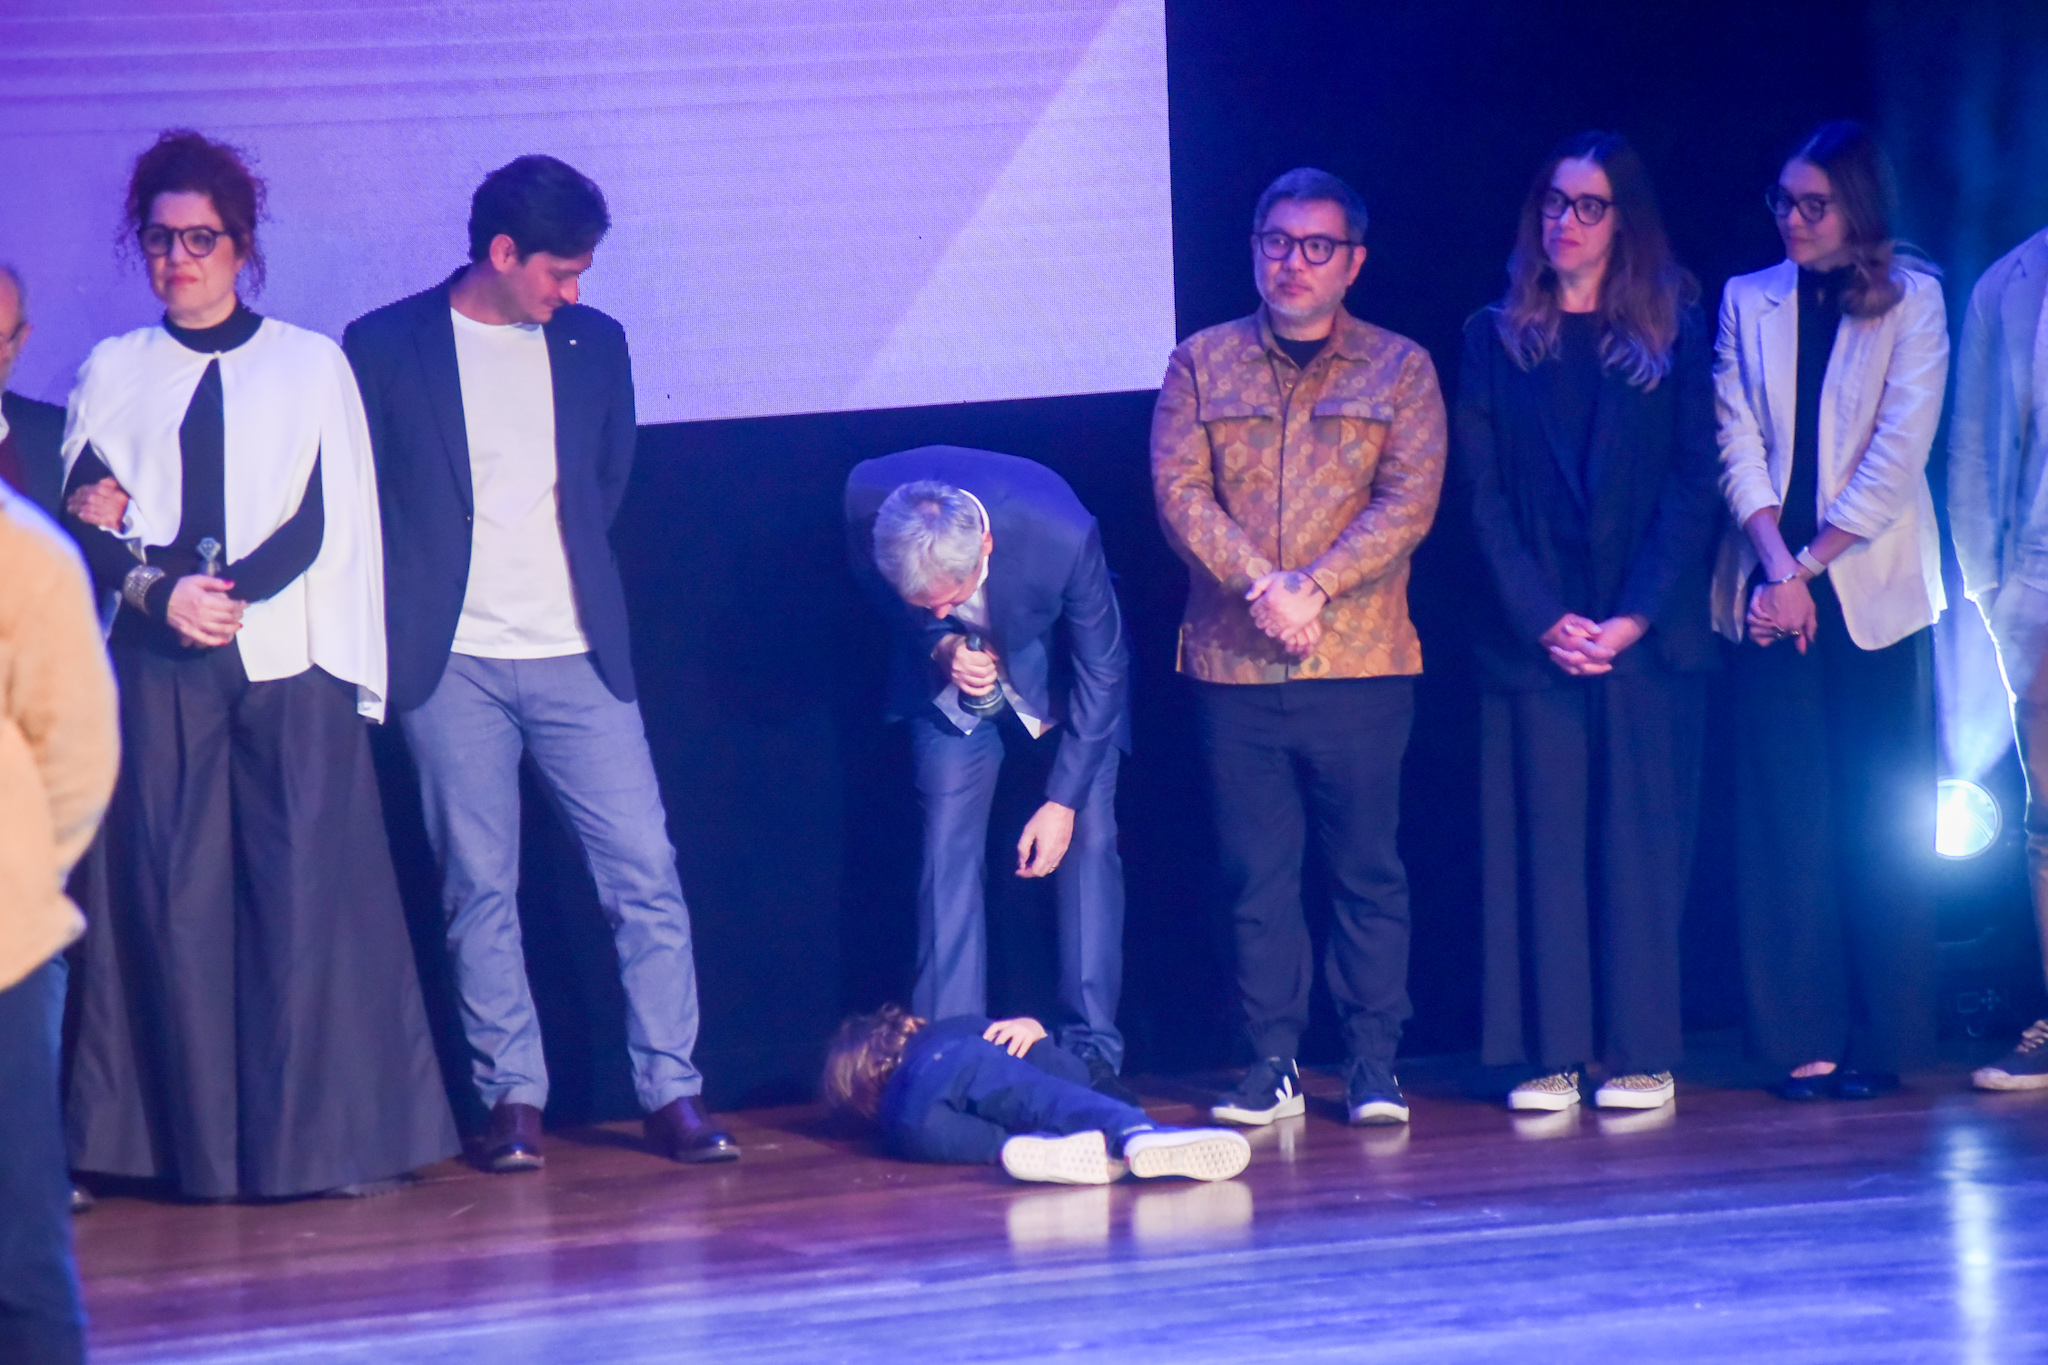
(955, 543)
(31, 433)
(501, 414)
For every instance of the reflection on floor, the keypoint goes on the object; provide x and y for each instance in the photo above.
(1729, 1226)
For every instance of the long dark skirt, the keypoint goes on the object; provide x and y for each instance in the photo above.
(1590, 800)
(249, 1020)
(1835, 846)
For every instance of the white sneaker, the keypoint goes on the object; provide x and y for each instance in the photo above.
(1557, 1091)
(1197, 1153)
(1640, 1091)
(1076, 1159)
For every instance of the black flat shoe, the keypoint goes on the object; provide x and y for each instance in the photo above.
(1804, 1088)
(1864, 1085)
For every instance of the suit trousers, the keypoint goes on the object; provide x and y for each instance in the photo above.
(1590, 798)
(42, 1321)
(1834, 813)
(590, 752)
(956, 785)
(2019, 626)
(1283, 757)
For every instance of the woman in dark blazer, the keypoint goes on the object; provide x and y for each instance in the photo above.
(1584, 437)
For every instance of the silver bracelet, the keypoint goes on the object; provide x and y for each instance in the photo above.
(135, 587)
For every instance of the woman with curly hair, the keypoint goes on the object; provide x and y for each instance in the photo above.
(251, 1022)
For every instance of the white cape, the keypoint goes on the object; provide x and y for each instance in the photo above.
(288, 396)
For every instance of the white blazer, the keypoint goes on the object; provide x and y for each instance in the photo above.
(289, 398)
(1879, 408)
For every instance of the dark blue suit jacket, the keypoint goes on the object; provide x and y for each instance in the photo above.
(38, 431)
(1047, 572)
(404, 359)
(1634, 534)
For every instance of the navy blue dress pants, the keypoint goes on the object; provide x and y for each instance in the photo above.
(41, 1319)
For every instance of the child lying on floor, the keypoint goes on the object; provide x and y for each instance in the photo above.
(970, 1091)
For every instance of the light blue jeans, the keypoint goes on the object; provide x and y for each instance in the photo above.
(590, 752)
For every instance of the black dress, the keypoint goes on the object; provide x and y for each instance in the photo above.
(1594, 496)
(249, 1015)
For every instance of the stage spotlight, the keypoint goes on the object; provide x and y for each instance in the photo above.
(1965, 819)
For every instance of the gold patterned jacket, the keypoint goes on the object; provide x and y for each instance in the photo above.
(1334, 470)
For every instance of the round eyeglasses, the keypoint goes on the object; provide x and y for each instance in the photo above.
(1587, 208)
(1276, 245)
(199, 241)
(1812, 207)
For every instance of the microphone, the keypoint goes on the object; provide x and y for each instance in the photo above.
(989, 703)
(209, 557)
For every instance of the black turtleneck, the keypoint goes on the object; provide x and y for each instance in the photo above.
(202, 447)
(1820, 316)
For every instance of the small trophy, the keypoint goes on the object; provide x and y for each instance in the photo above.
(209, 557)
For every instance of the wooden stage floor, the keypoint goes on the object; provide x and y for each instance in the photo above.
(1737, 1228)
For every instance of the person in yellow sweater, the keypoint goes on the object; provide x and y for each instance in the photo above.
(59, 746)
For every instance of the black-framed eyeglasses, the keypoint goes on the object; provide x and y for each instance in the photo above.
(1587, 208)
(199, 241)
(1316, 249)
(1812, 207)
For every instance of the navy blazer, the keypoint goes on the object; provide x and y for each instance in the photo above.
(404, 359)
(1633, 536)
(1047, 571)
(38, 432)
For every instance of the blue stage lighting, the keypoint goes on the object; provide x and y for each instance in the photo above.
(1966, 819)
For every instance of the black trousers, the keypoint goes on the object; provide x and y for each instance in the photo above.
(1284, 757)
(1834, 842)
(41, 1319)
(1590, 799)
(250, 1019)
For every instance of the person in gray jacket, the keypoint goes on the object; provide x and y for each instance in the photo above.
(1998, 511)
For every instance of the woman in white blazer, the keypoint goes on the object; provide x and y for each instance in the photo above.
(1828, 377)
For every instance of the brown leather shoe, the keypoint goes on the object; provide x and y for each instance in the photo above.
(513, 1143)
(682, 1131)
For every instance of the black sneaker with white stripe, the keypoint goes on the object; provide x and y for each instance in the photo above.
(1270, 1090)
(1372, 1095)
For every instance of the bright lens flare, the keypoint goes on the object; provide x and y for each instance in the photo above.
(1965, 819)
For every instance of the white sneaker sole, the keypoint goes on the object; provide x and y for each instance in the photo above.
(1991, 1078)
(1376, 1113)
(1288, 1108)
(1076, 1159)
(1196, 1153)
(1542, 1101)
(1605, 1098)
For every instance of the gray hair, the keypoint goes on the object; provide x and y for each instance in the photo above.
(927, 533)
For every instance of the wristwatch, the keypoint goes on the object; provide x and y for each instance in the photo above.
(136, 585)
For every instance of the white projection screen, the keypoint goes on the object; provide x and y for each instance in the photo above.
(818, 205)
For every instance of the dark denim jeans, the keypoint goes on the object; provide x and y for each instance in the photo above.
(41, 1319)
(957, 1097)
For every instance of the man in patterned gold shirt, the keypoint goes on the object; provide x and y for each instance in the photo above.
(1297, 455)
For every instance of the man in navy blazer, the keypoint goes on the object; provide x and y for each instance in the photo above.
(501, 415)
(31, 433)
(953, 545)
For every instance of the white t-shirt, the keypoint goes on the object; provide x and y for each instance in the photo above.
(519, 604)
